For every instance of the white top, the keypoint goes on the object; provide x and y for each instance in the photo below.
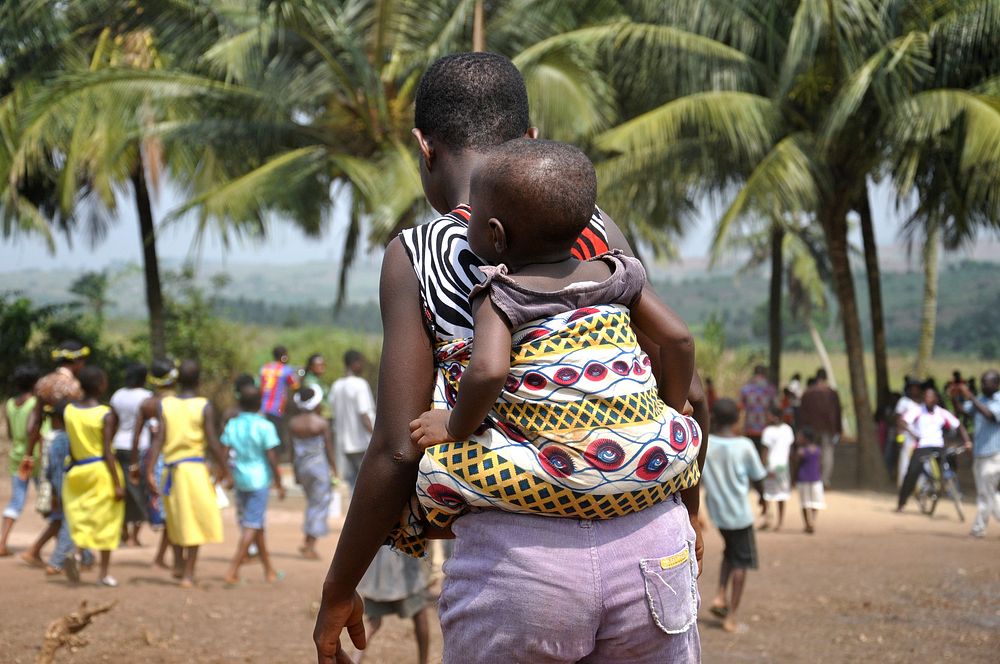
(125, 402)
(930, 425)
(904, 406)
(350, 398)
(778, 439)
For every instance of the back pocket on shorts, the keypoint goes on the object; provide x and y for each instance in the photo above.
(670, 589)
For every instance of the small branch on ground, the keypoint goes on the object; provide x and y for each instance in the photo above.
(64, 631)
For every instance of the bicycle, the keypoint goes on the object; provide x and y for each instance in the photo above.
(938, 479)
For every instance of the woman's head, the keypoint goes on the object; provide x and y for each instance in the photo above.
(466, 102)
(93, 381)
(308, 399)
(135, 375)
(530, 200)
(162, 373)
(316, 364)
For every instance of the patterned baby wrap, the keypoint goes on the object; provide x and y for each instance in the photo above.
(578, 431)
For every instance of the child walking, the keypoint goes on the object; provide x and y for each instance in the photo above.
(730, 469)
(809, 477)
(16, 411)
(252, 440)
(776, 443)
(313, 458)
(187, 424)
(94, 485)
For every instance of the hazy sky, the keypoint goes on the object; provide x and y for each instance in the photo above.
(284, 245)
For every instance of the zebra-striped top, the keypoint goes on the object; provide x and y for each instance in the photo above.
(447, 269)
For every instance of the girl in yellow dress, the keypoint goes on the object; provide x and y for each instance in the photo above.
(193, 516)
(93, 486)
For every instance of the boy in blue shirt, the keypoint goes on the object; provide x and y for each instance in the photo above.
(252, 440)
(731, 467)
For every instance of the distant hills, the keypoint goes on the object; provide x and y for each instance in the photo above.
(298, 294)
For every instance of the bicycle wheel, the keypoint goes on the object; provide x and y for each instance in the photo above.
(926, 496)
(951, 487)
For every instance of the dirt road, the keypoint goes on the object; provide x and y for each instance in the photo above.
(869, 586)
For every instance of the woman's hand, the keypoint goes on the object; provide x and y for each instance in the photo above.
(333, 617)
(431, 428)
(119, 492)
(25, 467)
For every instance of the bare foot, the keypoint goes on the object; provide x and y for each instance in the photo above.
(177, 573)
(52, 571)
(308, 553)
(160, 563)
(274, 576)
(231, 580)
(32, 560)
(733, 627)
(4, 551)
(186, 583)
(810, 530)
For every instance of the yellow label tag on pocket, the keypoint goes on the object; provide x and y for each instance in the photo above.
(675, 560)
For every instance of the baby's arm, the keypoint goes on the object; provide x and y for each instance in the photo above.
(675, 343)
(480, 384)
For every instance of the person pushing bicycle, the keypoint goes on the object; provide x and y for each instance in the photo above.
(927, 424)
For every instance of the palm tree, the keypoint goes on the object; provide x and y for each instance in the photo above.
(812, 102)
(82, 142)
(93, 288)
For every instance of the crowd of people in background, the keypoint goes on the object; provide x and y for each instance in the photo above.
(102, 470)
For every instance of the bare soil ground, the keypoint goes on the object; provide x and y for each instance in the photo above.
(869, 586)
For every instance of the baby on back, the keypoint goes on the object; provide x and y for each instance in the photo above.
(555, 409)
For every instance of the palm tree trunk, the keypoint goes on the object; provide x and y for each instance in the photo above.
(824, 356)
(774, 304)
(478, 28)
(874, 274)
(834, 220)
(150, 264)
(928, 318)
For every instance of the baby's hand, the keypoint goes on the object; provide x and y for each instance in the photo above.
(431, 428)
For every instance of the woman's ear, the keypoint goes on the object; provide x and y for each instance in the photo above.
(425, 147)
(498, 236)
(532, 133)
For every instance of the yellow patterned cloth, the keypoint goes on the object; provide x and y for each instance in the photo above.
(193, 516)
(88, 493)
(579, 431)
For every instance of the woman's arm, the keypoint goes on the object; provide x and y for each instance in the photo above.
(480, 385)
(388, 474)
(212, 438)
(110, 426)
(155, 445)
(331, 455)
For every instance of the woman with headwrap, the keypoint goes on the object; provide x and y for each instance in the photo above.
(312, 455)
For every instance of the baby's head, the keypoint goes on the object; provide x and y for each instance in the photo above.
(530, 200)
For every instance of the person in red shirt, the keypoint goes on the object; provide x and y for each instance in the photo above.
(278, 380)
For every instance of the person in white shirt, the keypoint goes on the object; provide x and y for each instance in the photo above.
(927, 424)
(353, 415)
(908, 402)
(126, 402)
(776, 441)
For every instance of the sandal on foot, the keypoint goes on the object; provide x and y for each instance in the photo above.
(719, 611)
(109, 581)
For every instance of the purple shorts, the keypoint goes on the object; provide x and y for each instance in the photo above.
(523, 588)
